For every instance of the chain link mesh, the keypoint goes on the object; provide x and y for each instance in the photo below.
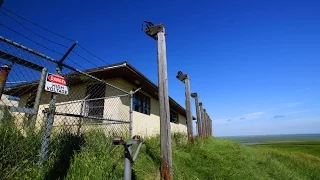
(37, 126)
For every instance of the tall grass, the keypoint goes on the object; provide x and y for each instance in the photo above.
(92, 155)
(223, 159)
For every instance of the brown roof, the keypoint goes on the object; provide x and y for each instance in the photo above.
(119, 70)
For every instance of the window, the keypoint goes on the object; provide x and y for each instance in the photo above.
(13, 98)
(95, 106)
(174, 117)
(141, 103)
(30, 100)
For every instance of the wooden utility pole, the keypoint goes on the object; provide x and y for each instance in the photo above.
(202, 120)
(185, 79)
(157, 32)
(210, 126)
(205, 123)
(196, 97)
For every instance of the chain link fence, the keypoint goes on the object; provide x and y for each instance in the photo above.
(42, 128)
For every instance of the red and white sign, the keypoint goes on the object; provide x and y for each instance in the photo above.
(57, 79)
(57, 84)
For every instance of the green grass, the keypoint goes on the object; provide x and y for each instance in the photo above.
(275, 138)
(93, 156)
(308, 148)
(224, 159)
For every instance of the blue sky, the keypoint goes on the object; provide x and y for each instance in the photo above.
(255, 64)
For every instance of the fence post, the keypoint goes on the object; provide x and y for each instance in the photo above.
(51, 113)
(5, 69)
(196, 97)
(38, 98)
(157, 32)
(127, 163)
(131, 113)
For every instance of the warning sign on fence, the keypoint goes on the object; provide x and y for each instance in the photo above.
(57, 84)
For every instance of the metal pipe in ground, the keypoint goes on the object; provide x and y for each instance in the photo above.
(5, 69)
(127, 163)
(38, 97)
(52, 110)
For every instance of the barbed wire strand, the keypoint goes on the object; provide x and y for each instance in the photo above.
(32, 31)
(38, 25)
(30, 39)
(83, 58)
(56, 35)
(92, 54)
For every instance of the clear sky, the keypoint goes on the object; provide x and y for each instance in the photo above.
(255, 64)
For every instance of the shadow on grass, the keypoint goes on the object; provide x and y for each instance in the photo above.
(69, 145)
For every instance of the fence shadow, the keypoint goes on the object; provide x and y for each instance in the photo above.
(69, 145)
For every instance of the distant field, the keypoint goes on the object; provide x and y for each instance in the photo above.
(296, 148)
(267, 139)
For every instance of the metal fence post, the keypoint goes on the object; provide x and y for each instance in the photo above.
(5, 69)
(38, 97)
(130, 113)
(80, 118)
(127, 163)
(51, 113)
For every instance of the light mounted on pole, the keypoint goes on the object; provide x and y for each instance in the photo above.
(157, 32)
(185, 79)
(181, 76)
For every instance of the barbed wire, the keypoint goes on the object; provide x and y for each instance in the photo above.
(82, 58)
(30, 39)
(64, 37)
(32, 31)
(38, 25)
(92, 54)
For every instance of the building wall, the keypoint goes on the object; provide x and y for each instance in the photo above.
(8, 102)
(147, 125)
(116, 107)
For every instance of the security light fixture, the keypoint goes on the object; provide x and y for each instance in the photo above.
(182, 76)
(152, 30)
(194, 95)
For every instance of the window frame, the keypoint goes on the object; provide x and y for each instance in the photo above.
(177, 116)
(141, 103)
(95, 91)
